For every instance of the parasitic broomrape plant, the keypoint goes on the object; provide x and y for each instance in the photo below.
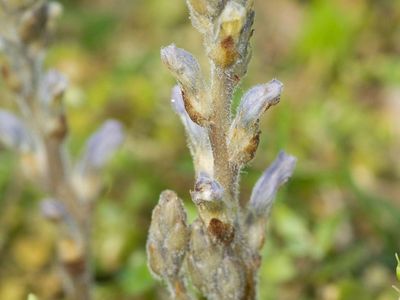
(38, 135)
(219, 254)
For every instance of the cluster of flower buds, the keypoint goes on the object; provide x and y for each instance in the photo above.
(37, 22)
(167, 242)
(222, 256)
(227, 27)
(213, 270)
(25, 41)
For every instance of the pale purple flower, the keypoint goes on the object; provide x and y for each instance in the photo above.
(183, 65)
(257, 100)
(264, 191)
(101, 145)
(13, 132)
(207, 189)
(52, 209)
(52, 86)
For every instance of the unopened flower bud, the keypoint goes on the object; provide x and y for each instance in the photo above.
(257, 100)
(37, 23)
(184, 66)
(244, 131)
(203, 13)
(230, 280)
(101, 146)
(168, 237)
(232, 20)
(265, 189)
(187, 72)
(212, 270)
(52, 210)
(33, 24)
(52, 88)
(14, 134)
(204, 259)
(226, 50)
(208, 196)
(207, 189)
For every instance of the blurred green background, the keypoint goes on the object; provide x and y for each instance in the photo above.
(336, 225)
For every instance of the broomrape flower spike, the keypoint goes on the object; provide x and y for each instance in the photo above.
(39, 135)
(219, 253)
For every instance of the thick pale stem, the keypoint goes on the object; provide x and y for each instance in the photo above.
(57, 183)
(77, 273)
(219, 125)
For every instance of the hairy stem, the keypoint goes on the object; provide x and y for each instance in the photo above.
(77, 273)
(220, 121)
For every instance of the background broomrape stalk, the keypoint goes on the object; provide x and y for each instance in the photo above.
(39, 137)
(220, 251)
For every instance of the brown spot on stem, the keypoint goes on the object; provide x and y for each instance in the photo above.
(225, 54)
(228, 43)
(75, 268)
(221, 231)
(72, 256)
(229, 52)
